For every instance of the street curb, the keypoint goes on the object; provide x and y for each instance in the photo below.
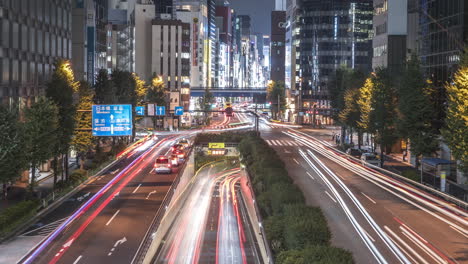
(52, 206)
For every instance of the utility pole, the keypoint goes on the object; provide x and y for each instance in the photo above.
(277, 113)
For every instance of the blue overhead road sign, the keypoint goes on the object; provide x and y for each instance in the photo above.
(112, 120)
(179, 110)
(160, 110)
(140, 110)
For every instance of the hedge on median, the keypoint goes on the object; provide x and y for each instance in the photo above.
(297, 233)
(16, 214)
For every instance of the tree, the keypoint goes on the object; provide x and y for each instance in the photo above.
(382, 117)
(364, 102)
(60, 90)
(275, 91)
(351, 114)
(156, 93)
(104, 89)
(41, 127)
(416, 112)
(205, 103)
(124, 87)
(12, 154)
(83, 138)
(455, 132)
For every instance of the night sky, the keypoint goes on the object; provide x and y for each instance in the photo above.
(259, 11)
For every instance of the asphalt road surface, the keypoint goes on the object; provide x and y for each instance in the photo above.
(379, 219)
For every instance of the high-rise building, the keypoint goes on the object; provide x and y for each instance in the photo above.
(141, 19)
(34, 34)
(164, 8)
(443, 35)
(170, 52)
(278, 39)
(390, 29)
(194, 13)
(280, 5)
(322, 36)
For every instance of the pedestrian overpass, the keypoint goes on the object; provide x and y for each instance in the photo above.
(259, 93)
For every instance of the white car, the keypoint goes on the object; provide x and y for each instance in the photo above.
(370, 158)
(163, 165)
(184, 142)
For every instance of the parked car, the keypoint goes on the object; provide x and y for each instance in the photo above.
(357, 153)
(177, 146)
(370, 158)
(175, 160)
(179, 153)
(162, 165)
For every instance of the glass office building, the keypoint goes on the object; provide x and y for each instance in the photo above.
(34, 33)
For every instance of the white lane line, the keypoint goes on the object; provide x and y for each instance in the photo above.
(295, 144)
(289, 143)
(136, 189)
(295, 160)
(112, 218)
(406, 246)
(273, 142)
(331, 197)
(149, 194)
(369, 198)
(278, 143)
(268, 142)
(310, 175)
(456, 229)
(371, 238)
(422, 246)
(77, 259)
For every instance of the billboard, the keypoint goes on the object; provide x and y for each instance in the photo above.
(112, 120)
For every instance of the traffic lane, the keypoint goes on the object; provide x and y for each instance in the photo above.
(75, 201)
(404, 208)
(127, 218)
(88, 215)
(391, 210)
(318, 194)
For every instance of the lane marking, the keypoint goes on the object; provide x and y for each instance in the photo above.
(421, 246)
(136, 189)
(373, 240)
(310, 175)
(407, 247)
(456, 229)
(331, 197)
(112, 218)
(296, 161)
(147, 197)
(368, 198)
(77, 259)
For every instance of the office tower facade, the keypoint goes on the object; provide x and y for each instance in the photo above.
(390, 30)
(34, 34)
(322, 36)
(278, 39)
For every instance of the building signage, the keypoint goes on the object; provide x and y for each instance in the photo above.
(112, 120)
(216, 145)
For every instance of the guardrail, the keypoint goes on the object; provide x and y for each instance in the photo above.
(148, 238)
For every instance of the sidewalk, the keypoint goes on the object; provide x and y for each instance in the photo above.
(45, 184)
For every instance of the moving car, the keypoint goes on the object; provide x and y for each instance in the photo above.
(179, 153)
(175, 160)
(162, 165)
(184, 142)
(177, 146)
(370, 158)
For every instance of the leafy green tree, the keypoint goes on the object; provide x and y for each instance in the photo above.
(104, 89)
(364, 102)
(351, 114)
(276, 90)
(156, 94)
(125, 87)
(41, 127)
(60, 90)
(416, 111)
(456, 131)
(383, 114)
(83, 138)
(205, 103)
(12, 154)
(157, 91)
